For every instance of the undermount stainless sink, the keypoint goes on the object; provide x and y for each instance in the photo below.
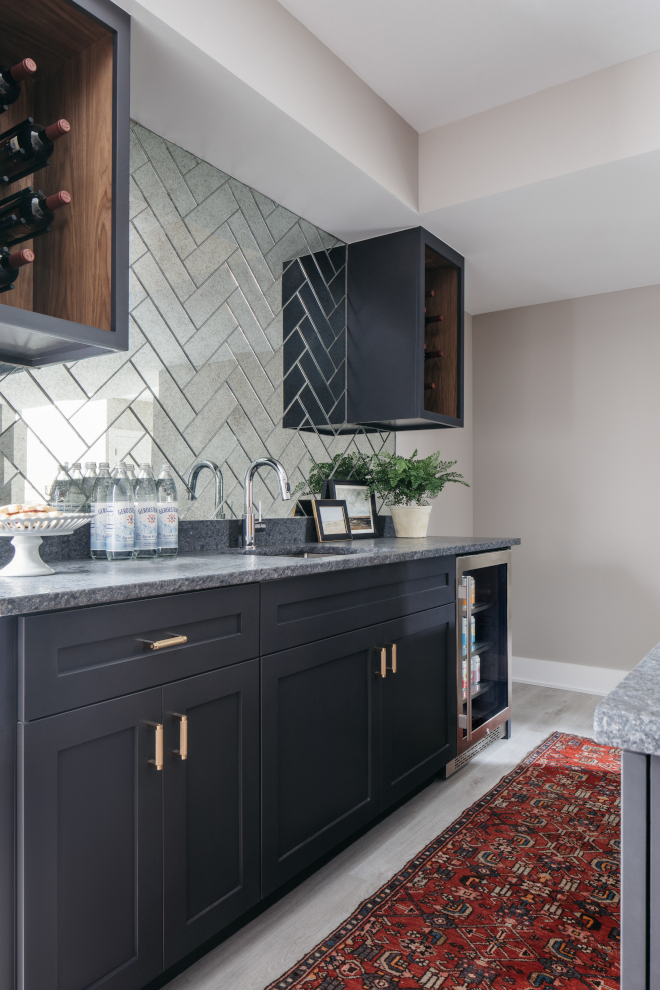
(305, 552)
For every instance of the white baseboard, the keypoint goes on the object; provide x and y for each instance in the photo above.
(567, 676)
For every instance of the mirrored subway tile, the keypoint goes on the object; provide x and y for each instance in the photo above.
(158, 199)
(251, 363)
(168, 438)
(250, 402)
(58, 383)
(209, 215)
(248, 323)
(274, 403)
(280, 221)
(211, 335)
(275, 331)
(265, 204)
(204, 179)
(92, 373)
(136, 246)
(218, 409)
(163, 341)
(165, 389)
(55, 432)
(168, 260)
(252, 214)
(22, 392)
(245, 433)
(328, 240)
(163, 296)
(184, 160)
(219, 448)
(275, 368)
(250, 288)
(211, 253)
(287, 447)
(136, 201)
(274, 295)
(124, 384)
(136, 291)
(168, 172)
(210, 295)
(253, 254)
(137, 155)
(210, 377)
(311, 235)
(290, 246)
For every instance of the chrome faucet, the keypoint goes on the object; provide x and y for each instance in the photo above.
(191, 485)
(248, 515)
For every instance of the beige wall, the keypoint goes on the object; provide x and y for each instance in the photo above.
(452, 510)
(567, 456)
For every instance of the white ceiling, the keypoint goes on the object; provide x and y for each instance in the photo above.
(436, 61)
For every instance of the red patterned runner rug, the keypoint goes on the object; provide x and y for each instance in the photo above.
(521, 891)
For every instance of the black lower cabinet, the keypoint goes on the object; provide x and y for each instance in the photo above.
(90, 861)
(417, 723)
(320, 749)
(210, 804)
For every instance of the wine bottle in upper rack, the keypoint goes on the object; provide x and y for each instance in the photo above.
(11, 79)
(433, 319)
(27, 147)
(428, 355)
(10, 266)
(28, 214)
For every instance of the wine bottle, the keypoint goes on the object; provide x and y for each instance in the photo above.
(432, 354)
(428, 385)
(10, 265)
(433, 319)
(429, 294)
(27, 147)
(11, 79)
(28, 214)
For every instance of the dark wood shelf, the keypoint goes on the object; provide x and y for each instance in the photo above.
(73, 301)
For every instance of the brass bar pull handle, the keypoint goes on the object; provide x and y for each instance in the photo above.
(383, 662)
(158, 644)
(158, 762)
(182, 752)
(392, 647)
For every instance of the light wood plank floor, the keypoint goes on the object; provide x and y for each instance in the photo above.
(269, 945)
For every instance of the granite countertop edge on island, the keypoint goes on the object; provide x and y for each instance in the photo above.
(79, 583)
(629, 717)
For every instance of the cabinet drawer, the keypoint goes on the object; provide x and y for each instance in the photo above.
(78, 657)
(306, 609)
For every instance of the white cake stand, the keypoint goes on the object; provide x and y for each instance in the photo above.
(27, 535)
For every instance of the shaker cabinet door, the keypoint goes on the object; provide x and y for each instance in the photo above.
(320, 749)
(211, 804)
(418, 728)
(90, 862)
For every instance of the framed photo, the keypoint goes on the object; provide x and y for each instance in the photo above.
(331, 519)
(360, 505)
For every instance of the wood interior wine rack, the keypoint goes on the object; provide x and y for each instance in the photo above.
(82, 54)
(441, 279)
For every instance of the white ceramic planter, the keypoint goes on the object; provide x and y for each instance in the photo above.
(411, 520)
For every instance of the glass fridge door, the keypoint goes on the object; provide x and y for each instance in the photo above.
(484, 680)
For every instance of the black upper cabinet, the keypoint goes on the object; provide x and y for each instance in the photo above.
(72, 302)
(405, 332)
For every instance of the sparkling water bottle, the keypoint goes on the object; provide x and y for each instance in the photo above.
(130, 474)
(146, 513)
(59, 491)
(76, 495)
(88, 481)
(120, 519)
(168, 515)
(99, 509)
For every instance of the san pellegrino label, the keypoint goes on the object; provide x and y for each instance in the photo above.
(97, 537)
(168, 524)
(120, 526)
(146, 526)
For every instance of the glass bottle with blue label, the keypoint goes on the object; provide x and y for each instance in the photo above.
(120, 518)
(168, 514)
(98, 507)
(146, 513)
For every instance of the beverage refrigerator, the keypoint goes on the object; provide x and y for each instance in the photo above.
(483, 652)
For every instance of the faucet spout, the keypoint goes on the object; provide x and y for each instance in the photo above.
(248, 515)
(219, 487)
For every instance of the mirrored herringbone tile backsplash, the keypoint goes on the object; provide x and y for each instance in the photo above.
(203, 377)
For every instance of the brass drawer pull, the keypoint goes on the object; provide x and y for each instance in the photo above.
(383, 662)
(182, 752)
(159, 759)
(392, 647)
(158, 644)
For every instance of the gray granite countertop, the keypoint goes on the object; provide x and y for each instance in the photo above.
(629, 717)
(77, 583)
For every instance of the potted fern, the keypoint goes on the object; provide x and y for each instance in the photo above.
(407, 484)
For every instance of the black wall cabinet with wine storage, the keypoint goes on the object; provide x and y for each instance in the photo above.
(72, 301)
(405, 332)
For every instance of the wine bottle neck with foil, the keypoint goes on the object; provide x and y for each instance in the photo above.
(11, 79)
